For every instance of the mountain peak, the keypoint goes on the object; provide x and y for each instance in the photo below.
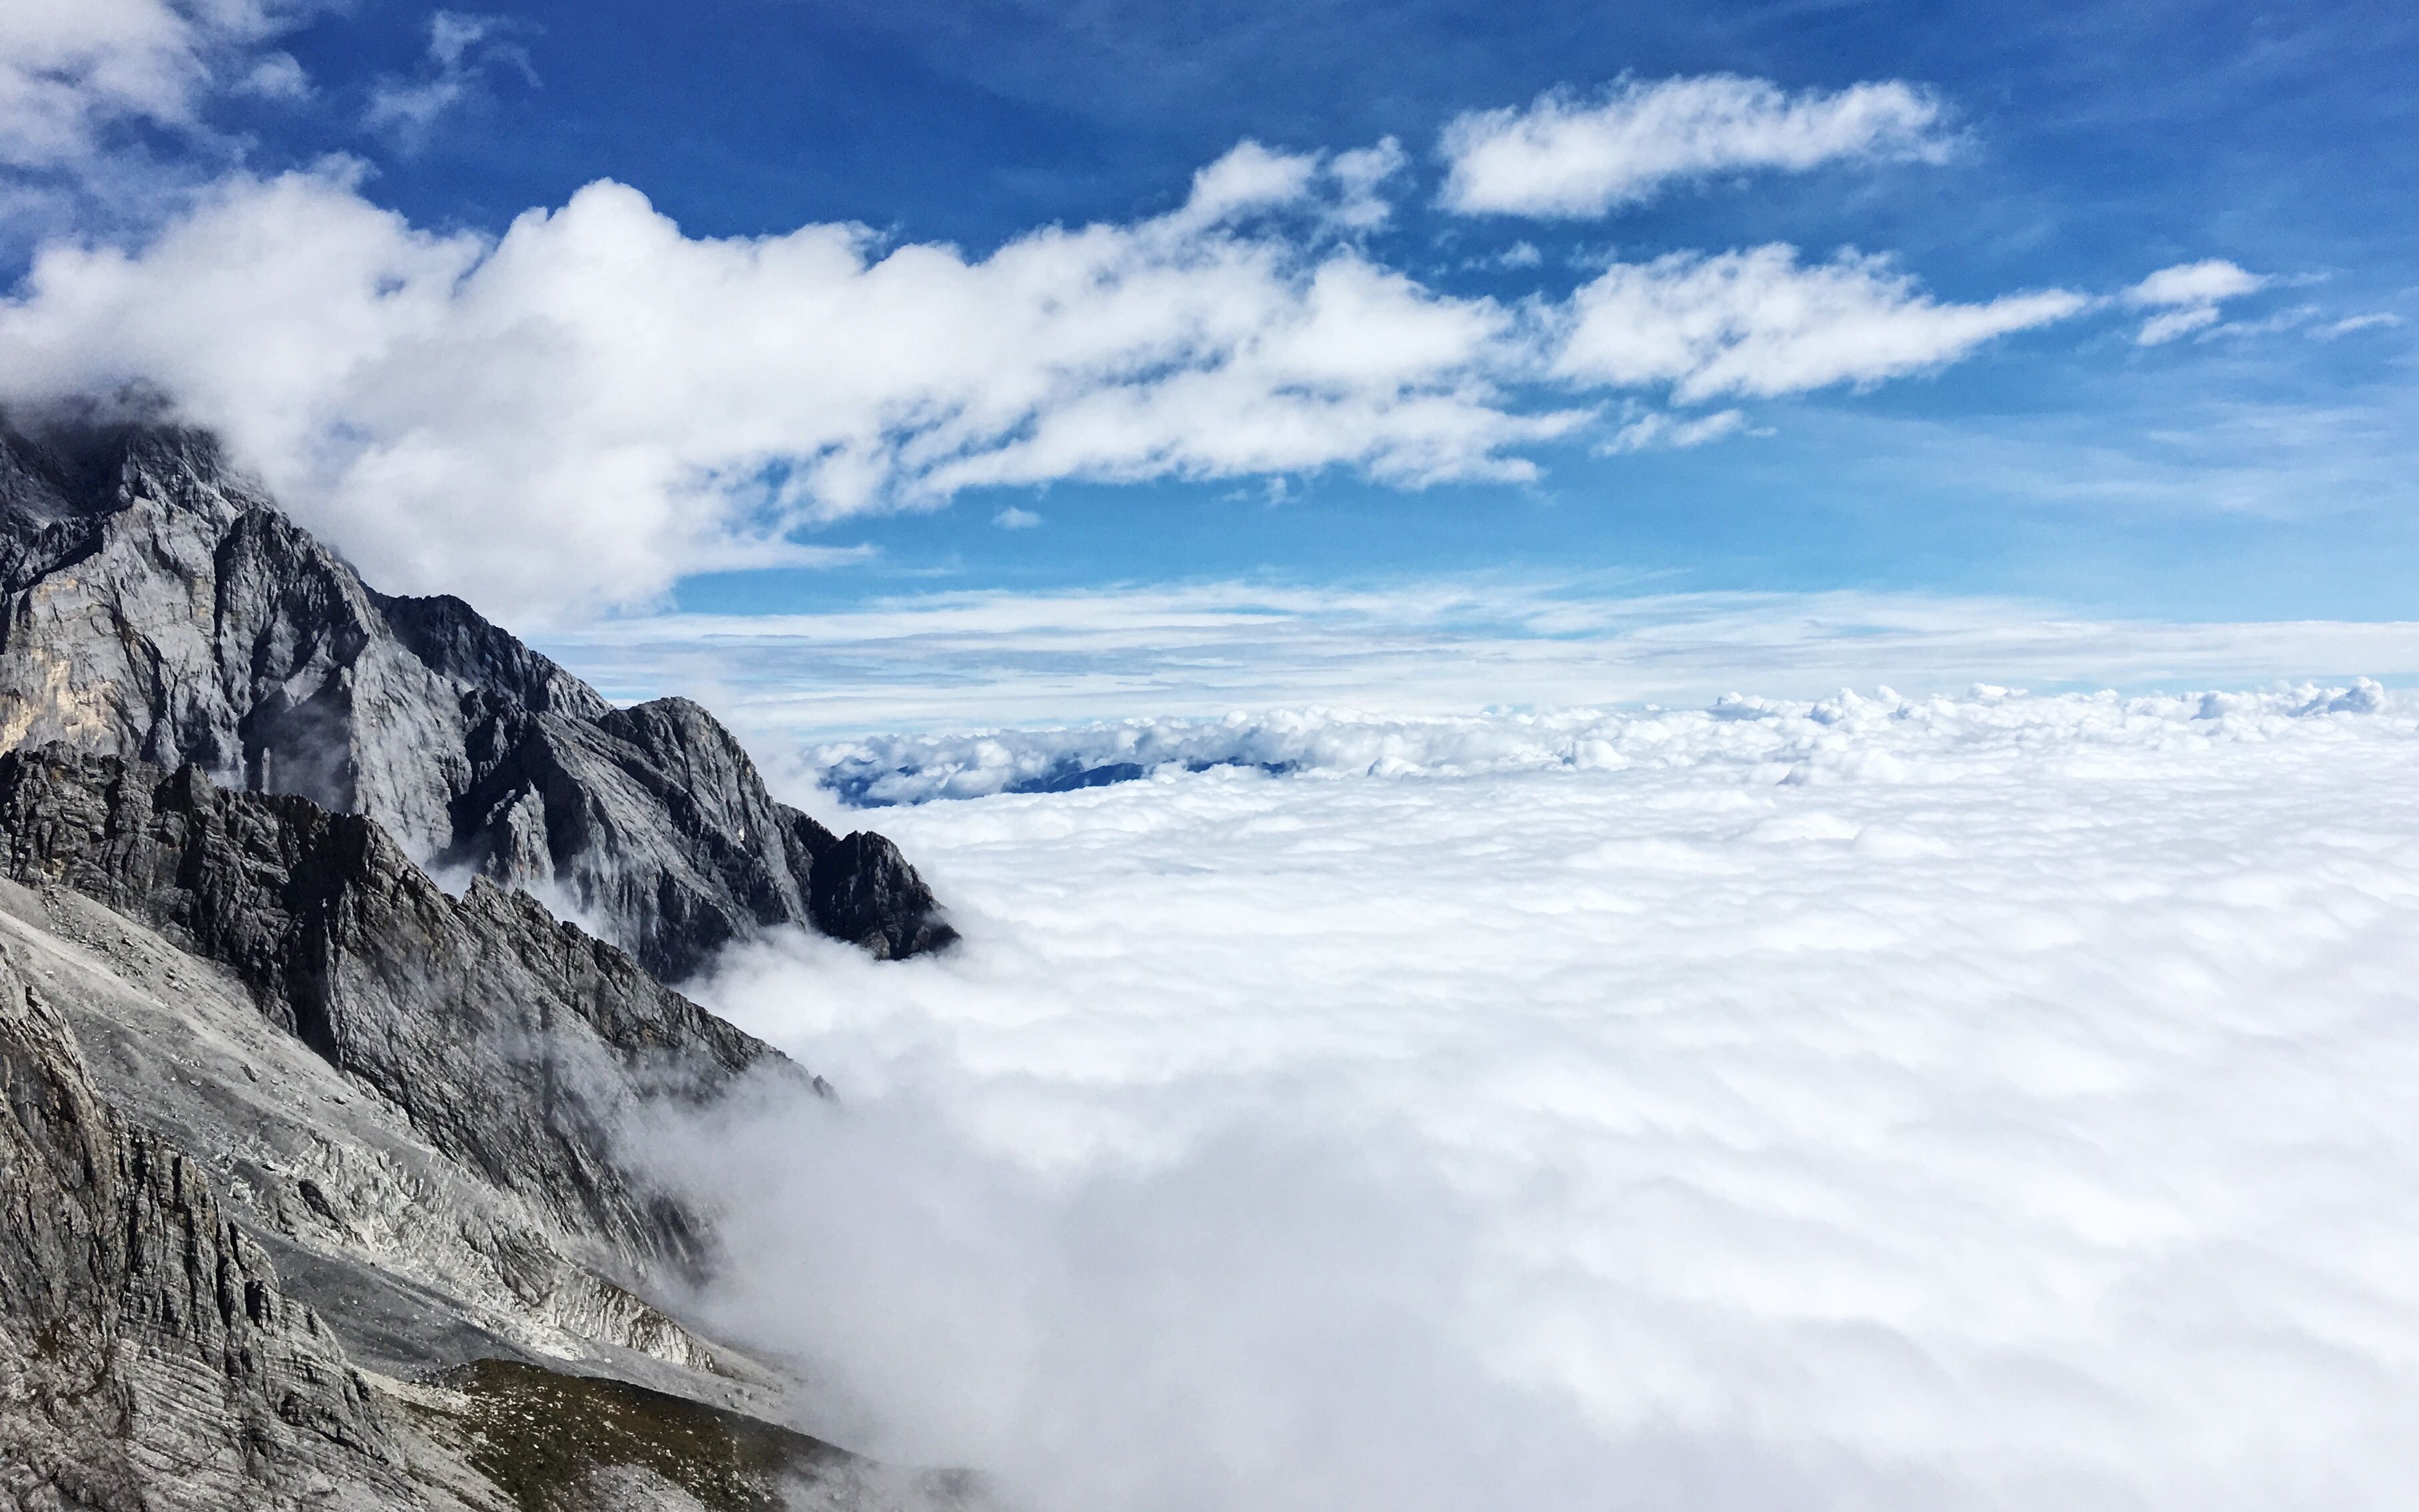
(158, 607)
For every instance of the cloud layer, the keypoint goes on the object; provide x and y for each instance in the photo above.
(1568, 156)
(963, 661)
(1986, 1102)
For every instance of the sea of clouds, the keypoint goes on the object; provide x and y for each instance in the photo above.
(1991, 1101)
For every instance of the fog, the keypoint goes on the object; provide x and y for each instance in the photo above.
(1989, 1103)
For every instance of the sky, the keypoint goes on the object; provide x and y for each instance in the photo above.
(2104, 312)
(1521, 1036)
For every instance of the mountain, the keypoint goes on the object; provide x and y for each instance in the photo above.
(155, 605)
(328, 1170)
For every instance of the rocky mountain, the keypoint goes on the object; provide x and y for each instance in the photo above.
(149, 1355)
(324, 1144)
(155, 605)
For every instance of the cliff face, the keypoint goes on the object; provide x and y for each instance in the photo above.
(149, 1355)
(513, 1044)
(155, 606)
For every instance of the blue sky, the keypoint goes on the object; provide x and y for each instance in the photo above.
(2256, 466)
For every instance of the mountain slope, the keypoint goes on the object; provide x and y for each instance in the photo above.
(148, 1356)
(154, 605)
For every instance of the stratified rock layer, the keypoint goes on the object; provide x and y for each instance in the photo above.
(156, 606)
(513, 1042)
(148, 1356)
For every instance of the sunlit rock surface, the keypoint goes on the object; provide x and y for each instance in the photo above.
(155, 605)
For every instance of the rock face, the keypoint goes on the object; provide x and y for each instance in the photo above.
(323, 1145)
(156, 606)
(148, 1357)
(514, 1043)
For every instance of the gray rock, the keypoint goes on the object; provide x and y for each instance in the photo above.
(154, 605)
(148, 1356)
(514, 1043)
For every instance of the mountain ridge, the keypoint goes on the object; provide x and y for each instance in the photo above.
(322, 1179)
(155, 605)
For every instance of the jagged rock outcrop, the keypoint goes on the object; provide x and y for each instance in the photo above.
(148, 1356)
(513, 1042)
(154, 605)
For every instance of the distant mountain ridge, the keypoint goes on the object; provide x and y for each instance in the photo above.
(155, 605)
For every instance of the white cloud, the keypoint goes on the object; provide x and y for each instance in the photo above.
(462, 49)
(72, 70)
(1759, 322)
(1568, 156)
(1014, 518)
(451, 410)
(2374, 320)
(2164, 328)
(448, 407)
(2201, 283)
(1989, 1102)
(1661, 428)
(278, 76)
(2187, 296)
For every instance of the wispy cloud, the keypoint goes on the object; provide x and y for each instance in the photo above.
(2187, 297)
(74, 70)
(2374, 320)
(463, 49)
(1661, 429)
(1569, 156)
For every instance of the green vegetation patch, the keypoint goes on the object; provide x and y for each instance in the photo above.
(537, 1434)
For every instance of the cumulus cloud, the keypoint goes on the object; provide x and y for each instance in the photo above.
(451, 410)
(2187, 297)
(71, 70)
(1760, 322)
(1013, 518)
(463, 49)
(1986, 1101)
(1569, 156)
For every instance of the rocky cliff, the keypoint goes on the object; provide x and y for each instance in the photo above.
(154, 605)
(148, 1356)
(319, 1170)
(514, 1044)
(155, 1357)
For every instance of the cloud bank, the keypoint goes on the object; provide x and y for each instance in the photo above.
(984, 661)
(1780, 740)
(1570, 157)
(1980, 1103)
(451, 410)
